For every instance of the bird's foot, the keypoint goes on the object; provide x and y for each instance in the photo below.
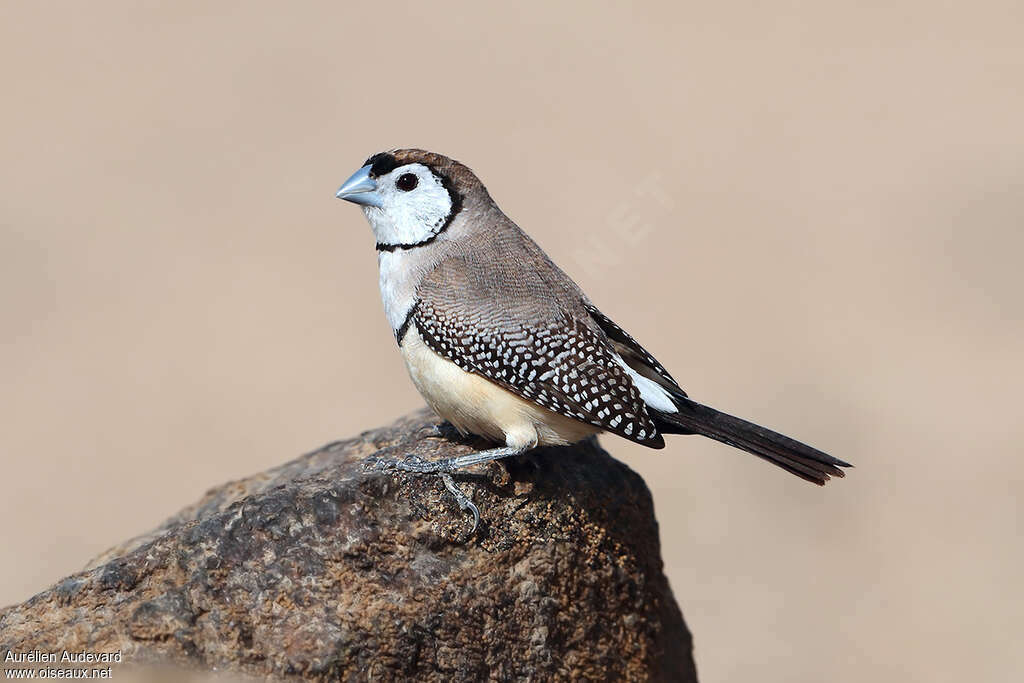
(446, 466)
(447, 431)
(415, 463)
(462, 499)
(443, 468)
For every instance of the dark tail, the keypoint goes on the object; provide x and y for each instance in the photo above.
(791, 455)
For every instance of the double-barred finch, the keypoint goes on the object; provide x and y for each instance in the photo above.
(502, 344)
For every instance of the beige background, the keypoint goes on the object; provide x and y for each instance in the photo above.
(812, 213)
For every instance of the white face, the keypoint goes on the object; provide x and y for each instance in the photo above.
(414, 206)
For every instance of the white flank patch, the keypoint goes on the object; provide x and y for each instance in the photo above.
(653, 394)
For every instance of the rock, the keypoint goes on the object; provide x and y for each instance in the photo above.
(326, 569)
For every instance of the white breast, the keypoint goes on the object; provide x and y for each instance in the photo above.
(397, 285)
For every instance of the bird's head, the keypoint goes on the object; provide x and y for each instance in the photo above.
(409, 196)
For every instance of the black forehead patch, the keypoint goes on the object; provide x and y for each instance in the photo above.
(381, 164)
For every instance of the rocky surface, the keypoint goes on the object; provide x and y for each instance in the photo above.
(326, 569)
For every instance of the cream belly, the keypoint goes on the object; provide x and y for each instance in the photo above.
(475, 405)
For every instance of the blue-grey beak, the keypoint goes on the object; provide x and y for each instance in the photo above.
(360, 189)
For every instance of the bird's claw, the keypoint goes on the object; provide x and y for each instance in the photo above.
(462, 499)
(446, 431)
(411, 463)
(417, 465)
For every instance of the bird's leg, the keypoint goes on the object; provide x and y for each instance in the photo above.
(449, 465)
(446, 466)
(464, 501)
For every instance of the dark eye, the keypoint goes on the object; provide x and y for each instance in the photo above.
(407, 182)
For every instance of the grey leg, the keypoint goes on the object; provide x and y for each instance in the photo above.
(446, 466)
(452, 464)
(461, 498)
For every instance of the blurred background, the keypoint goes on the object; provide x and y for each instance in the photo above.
(813, 214)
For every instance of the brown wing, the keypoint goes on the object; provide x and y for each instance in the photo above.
(533, 338)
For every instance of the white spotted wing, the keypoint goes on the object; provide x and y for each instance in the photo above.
(535, 339)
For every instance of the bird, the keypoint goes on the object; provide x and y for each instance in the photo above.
(503, 344)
